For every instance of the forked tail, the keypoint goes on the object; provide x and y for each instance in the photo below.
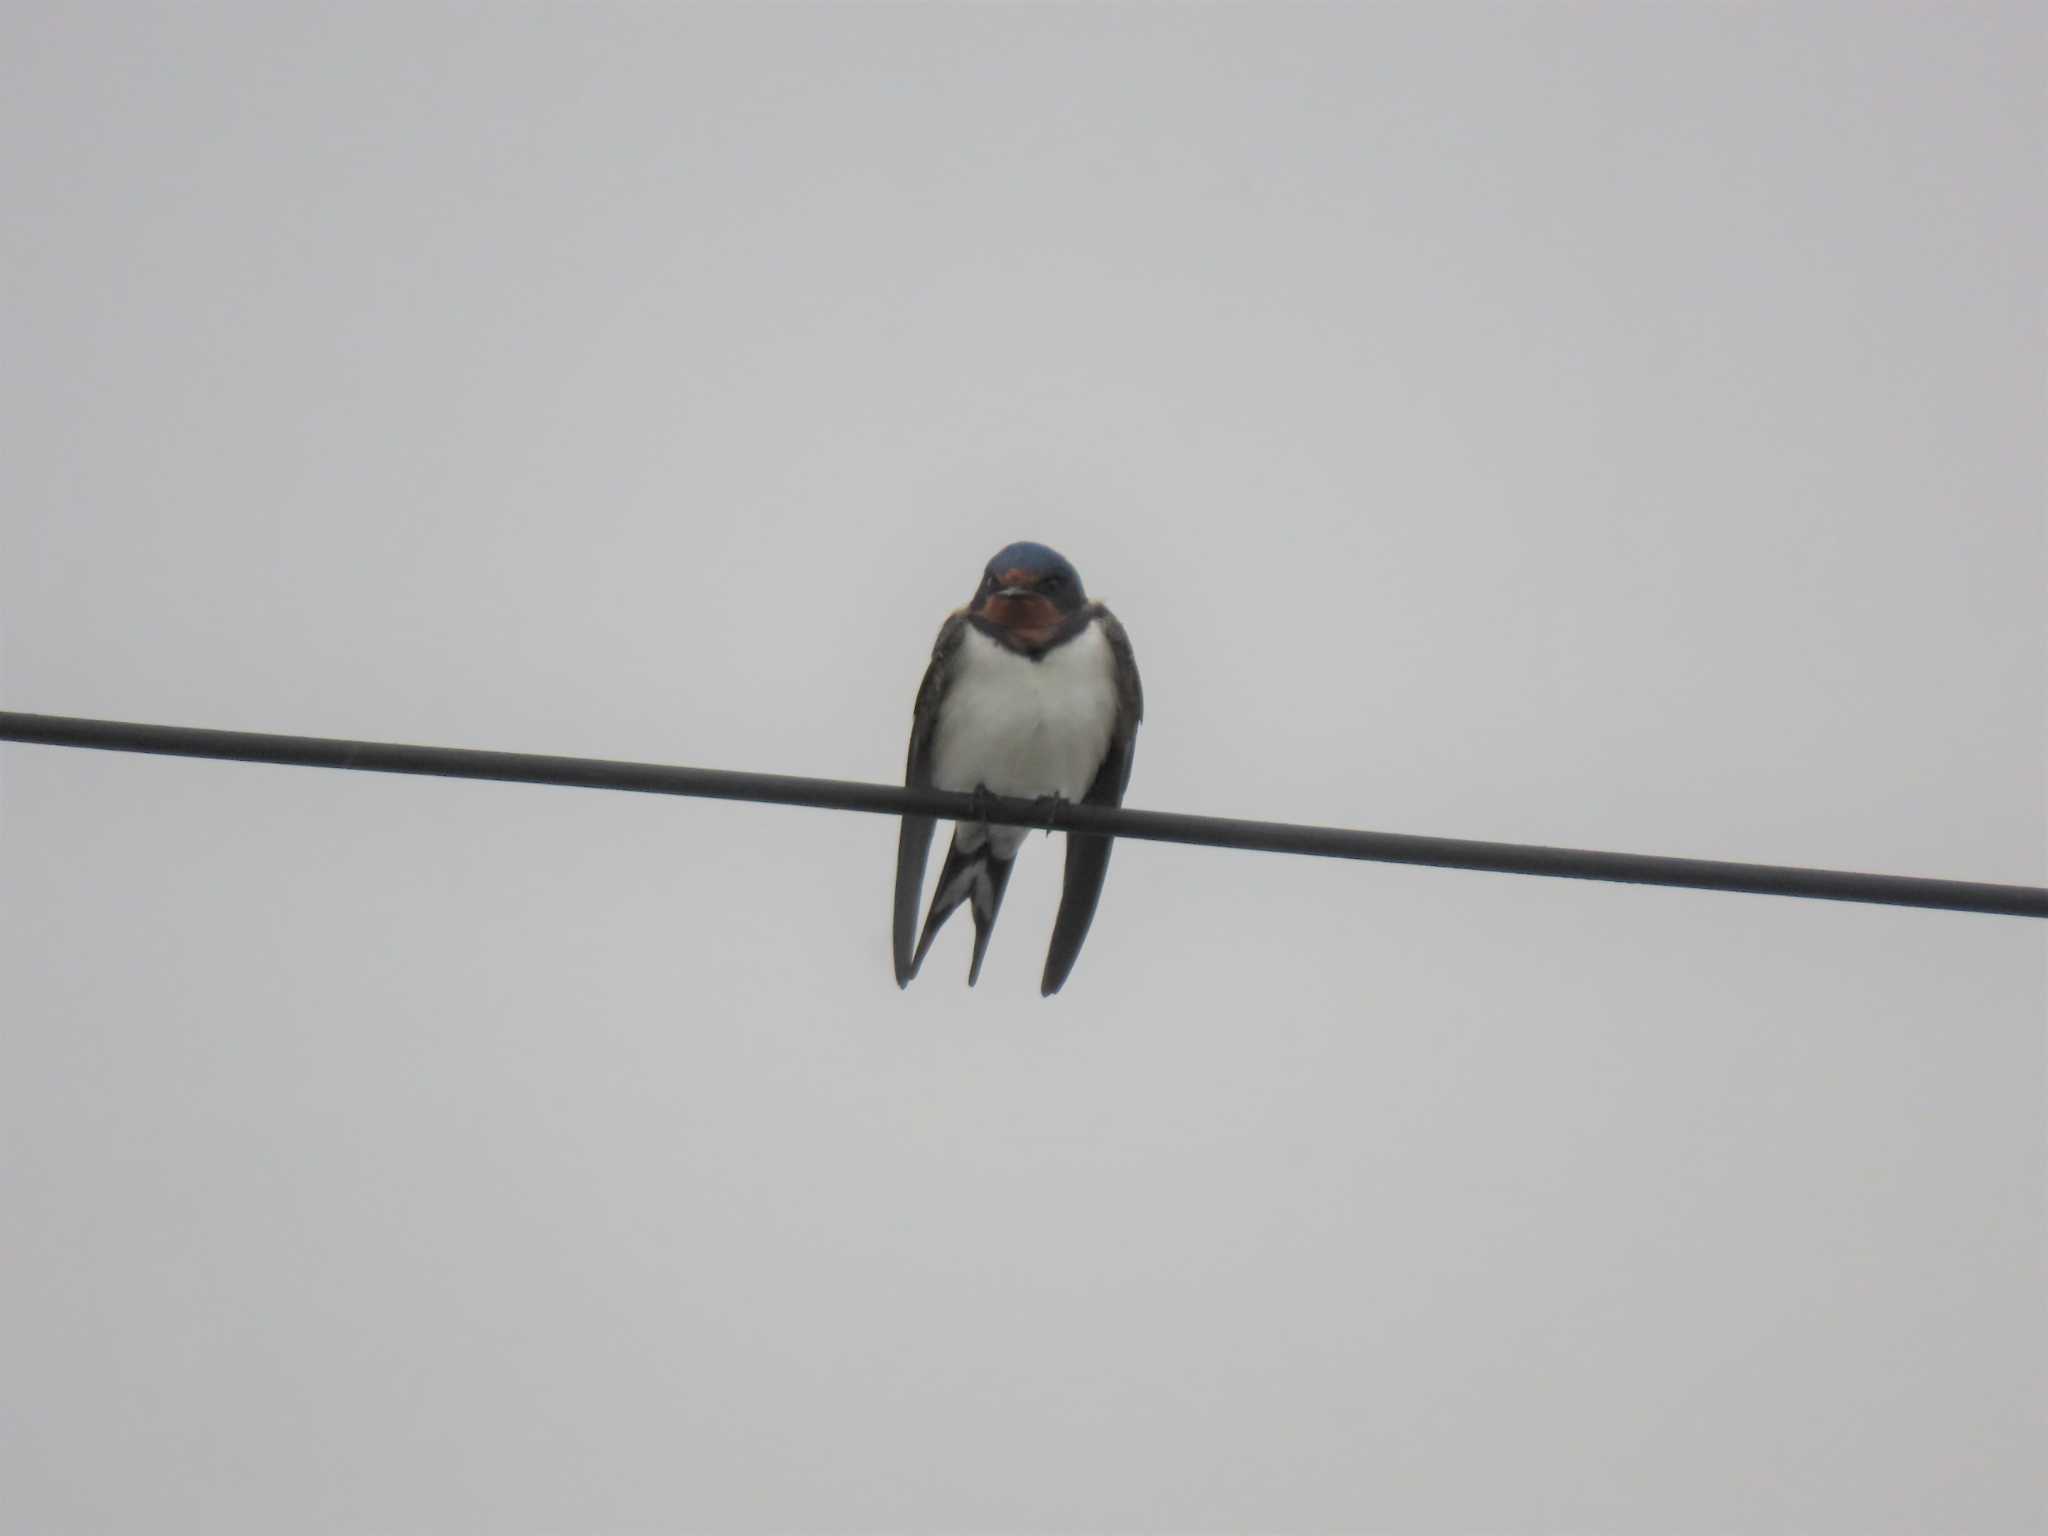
(977, 878)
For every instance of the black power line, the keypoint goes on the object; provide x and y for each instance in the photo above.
(1156, 826)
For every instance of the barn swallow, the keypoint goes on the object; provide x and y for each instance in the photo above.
(1032, 692)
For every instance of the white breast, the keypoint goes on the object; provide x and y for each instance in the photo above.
(1022, 727)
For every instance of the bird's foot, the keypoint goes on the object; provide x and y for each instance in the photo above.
(1049, 808)
(984, 804)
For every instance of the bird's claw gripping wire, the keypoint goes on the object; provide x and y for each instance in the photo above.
(1048, 808)
(984, 805)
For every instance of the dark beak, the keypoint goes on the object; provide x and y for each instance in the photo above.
(1015, 592)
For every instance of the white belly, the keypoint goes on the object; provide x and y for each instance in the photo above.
(1026, 728)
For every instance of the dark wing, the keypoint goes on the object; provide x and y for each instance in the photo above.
(914, 840)
(1088, 855)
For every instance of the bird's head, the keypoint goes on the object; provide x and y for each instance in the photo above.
(1029, 590)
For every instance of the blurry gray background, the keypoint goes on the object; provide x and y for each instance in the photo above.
(1602, 425)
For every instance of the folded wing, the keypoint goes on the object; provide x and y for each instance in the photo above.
(914, 837)
(1087, 853)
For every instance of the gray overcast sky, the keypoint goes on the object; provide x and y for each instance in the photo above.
(1599, 424)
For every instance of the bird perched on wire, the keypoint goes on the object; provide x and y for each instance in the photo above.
(1032, 693)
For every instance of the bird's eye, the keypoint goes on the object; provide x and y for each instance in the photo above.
(1052, 584)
